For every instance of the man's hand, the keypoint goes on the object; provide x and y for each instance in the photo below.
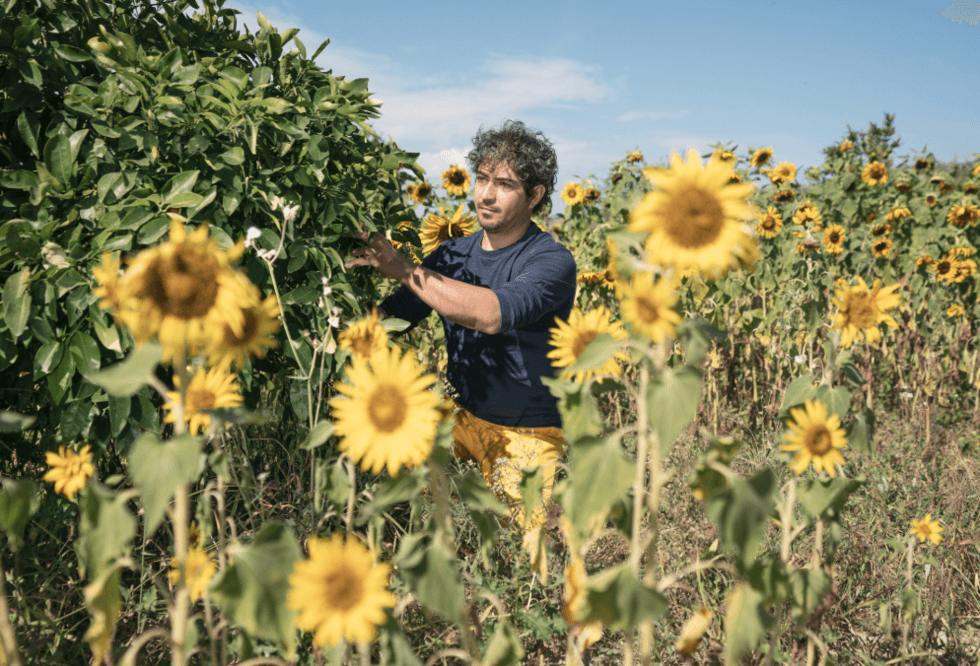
(378, 253)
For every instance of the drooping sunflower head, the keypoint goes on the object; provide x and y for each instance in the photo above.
(924, 260)
(456, 180)
(365, 336)
(784, 172)
(770, 223)
(724, 156)
(881, 230)
(833, 239)
(421, 192)
(964, 268)
(927, 529)
(970, 188)
(903, 186)
(438, 227)
(846, 146)
(572, 193)
(648, 307)
(570, 339)
(861, 309)
(387, 415)
(896, 214)
(815, 437)
(922, 163)
(695, 218)
(875, 173)
(591, 195)
(635, 155)
(784, 195)
(339, 591)
(965, 215)
(762, 156)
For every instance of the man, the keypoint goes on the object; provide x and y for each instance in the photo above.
(498, 292)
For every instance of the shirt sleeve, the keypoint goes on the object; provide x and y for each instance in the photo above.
(545, 282)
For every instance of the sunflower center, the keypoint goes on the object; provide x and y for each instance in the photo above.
(695, 218)
(457, 178)
(769, 223)
(582, 339)
(387, 408)
(647, 310)
(817, 440)
(363, 344)
(185, 285)
(834, 237)
(199, 398)
(342, 589)
(861, 310)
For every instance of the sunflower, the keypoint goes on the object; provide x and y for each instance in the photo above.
(108, 277)
(784, 172)
(805, 214)
(365, 336)
(177, 287)
(833, 239)
(260, 319)
(575, 595)
(591, 277)
(964, 268)
(591, 195)
(970, 188)
(648, 306)
(922, 163)
(761, 157)
(570, 338)
(882, 247)
(862, 309)
(784, 195)
(735, 179)
(389, 416)
(340, 591)
(816, 437)
(963, 251)
(903, 186)
(809, 245)
(931, 200)
(965, 215)
(770, 223)
(927, 529)
(946, 268)
(945, 187)
(924, 260)
(875, 173)
(881, 230)
(635, 155)
(456, 180)
(572, 193)
(421, 193)
(410, 190)
(200, 569)
(723, 156)
(976, 171)
(845, 146)
(872, 216)
(896, 214)
(955, 310)
(694, 218)
(69, 471)
(692, 631)
(211, 389)
(437, 228)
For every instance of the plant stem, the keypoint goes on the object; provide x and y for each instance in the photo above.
(8, 638)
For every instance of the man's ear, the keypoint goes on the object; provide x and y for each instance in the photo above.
(536, 194)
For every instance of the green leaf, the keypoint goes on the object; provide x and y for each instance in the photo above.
(505, 647)
(837, 400)
(85, 353)
(106, 527)
(618, 599)
(29, 127)
(47, 357)
(14, 422)
(741, 512)
(318, 436)
(60, 378)
(852, 374)
(818, 496)
(15, 508)
(252, 589)
(233, 156)
(672, 403)
(392, 491)
(17, 302)
(430, 571)
(602, 474)
(809, 587)
(57, 157)
(531, 486)
(579, 411)
(799, 391)
(264, 22)
(394, 324)
(597, 352)
(186, 200)
(128, 377)
(860, 432)
(182, 182)
(330, 482)
(158, 469)
(746, 622)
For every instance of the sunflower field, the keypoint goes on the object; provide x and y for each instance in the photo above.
(215, 453)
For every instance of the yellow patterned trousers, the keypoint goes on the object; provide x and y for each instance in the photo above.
(502, 453)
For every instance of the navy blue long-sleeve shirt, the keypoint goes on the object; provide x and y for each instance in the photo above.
(498, 377)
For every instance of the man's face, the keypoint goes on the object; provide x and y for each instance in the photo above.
(501, 203)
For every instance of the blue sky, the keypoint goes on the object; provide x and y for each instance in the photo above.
(660, 76)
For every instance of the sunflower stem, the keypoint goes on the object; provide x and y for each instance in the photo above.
(180, 518)
(8, 637)
(285, 327)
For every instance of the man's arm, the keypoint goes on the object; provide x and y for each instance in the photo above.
(466, 304)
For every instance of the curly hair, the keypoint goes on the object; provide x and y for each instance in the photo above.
(528, 153)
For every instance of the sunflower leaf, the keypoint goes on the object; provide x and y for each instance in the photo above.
(746, 621)
(818, 496)
(597, 352)
(618, 599)
(15, 509)
(127, 378)
(158, 469)
(602, 475)
(741, 512)
(799, 391)
(672, 403)
(430, 571)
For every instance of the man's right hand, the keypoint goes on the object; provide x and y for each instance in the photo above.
(378, 253)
